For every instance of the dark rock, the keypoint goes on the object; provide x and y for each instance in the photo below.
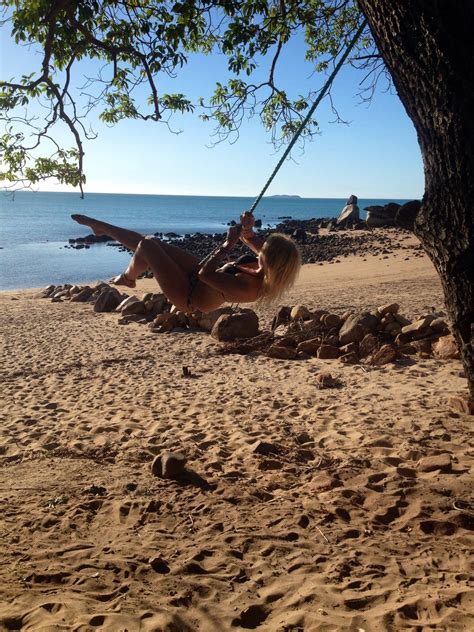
(327, 352)
(168, 465)
(229, 327)
(108, 300)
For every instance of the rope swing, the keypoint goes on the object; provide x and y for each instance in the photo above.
(305, 121)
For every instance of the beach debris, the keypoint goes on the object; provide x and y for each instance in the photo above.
(241, 324)
(168, 465)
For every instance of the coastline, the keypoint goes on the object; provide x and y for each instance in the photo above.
(341, 527)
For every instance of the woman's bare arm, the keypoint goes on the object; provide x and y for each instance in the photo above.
(241, 287)
(253, 241)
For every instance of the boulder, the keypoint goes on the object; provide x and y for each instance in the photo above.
(126, 301)
(349, 214)
(327, 352)
(352, 347)
(381, 215)
(439, 325)
(48, 291)
(107, 300)
(229, 327)
(446, 348)
(155, 303)
(422, 346)
(164, 322)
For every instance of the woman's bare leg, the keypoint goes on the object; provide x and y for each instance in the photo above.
(128, 238)
(171, 277)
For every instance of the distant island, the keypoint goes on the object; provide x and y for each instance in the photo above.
(285, 196)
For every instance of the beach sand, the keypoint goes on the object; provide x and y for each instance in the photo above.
(339, 529)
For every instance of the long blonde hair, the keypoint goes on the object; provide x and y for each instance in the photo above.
(281, 260)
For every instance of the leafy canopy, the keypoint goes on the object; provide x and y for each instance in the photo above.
(138, 42)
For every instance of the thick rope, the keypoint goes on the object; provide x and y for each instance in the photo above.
(321, 95)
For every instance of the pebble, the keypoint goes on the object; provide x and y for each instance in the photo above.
(168, 465)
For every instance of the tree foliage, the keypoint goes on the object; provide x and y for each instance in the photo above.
(135, 43)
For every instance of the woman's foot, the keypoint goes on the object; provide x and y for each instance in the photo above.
(122, 279)
(93, 224)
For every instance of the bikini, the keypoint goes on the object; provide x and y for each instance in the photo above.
(228, 268)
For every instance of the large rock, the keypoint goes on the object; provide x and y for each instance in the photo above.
(126, 301)
(300, 312)
(282, 316)
(282, 353)
(349, 214)
(418, 325)
(384, 355)
(108, 300)
(310, 346)
(228, 327)
(208, 320)
(327, 352)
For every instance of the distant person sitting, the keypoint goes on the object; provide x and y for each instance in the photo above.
(192, 285)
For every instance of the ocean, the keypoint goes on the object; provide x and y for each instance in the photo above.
(35, 228)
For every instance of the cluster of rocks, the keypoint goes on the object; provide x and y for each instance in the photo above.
(85, 242)
(154, 310)
(376, 338)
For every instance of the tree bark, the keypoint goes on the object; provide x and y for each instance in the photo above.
(428, 48)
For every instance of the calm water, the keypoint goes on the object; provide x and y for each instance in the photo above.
(35, 227)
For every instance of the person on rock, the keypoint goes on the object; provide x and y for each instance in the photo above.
(192, 285)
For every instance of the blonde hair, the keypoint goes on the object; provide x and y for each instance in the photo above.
(282, 260)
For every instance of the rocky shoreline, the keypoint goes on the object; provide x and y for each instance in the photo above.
(320, 240)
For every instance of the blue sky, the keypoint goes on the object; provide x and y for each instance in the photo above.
(376, 156)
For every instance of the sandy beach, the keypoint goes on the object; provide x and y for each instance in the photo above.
(339, 528)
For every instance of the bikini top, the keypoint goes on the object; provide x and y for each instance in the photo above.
(231, 268)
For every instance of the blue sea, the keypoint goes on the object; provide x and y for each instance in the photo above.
(35, 228)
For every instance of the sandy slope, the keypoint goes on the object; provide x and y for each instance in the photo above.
(337, 531)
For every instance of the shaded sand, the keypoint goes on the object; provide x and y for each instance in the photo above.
(338, 530)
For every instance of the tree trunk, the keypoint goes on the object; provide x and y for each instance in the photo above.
(428, 48)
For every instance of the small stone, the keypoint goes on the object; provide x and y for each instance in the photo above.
(304, 438)
(282, 353)
(264, 448)
(303, 521)
(350, 358)
(83, 295)
(282, 317)
(368, 343)
(439, 325)
(328, 352)
(300, 312)
(310, 346)
(326, 380)
(462, 404)
(446, 348)
(126, 301)
(159, 565)
(418, 325)
(352, 347)
(391, 308)
(168, 465)
(331, 321)
(322, 482)
(422, 346)
(384, 355)
(440, 462)
(401, 319)
(270, 464)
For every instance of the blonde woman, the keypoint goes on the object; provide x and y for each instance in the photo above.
(192, 285)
